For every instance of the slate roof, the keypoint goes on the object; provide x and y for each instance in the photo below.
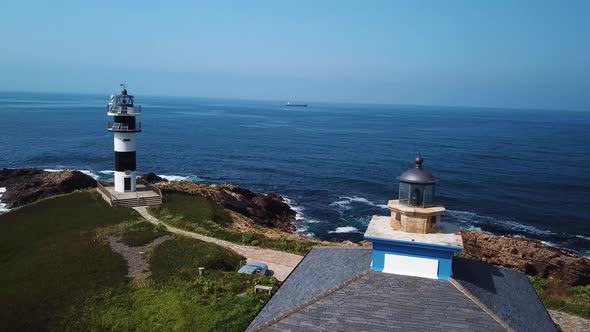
(333, 289)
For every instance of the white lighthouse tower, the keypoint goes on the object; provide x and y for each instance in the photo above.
(125, 128)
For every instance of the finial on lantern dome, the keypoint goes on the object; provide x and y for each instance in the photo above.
(419, 161)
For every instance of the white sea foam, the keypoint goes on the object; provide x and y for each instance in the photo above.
(192, 178)
(345, 229)
(550, 244)
(107, 172)
(587, 238)
(3, 207)
(299, 216)
(301, 222)
(472, 218)
(52, 170)
(89, 173)
(345, 203)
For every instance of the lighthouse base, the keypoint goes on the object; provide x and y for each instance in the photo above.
(143, 196)
(126, 181)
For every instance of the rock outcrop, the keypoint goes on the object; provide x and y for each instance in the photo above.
(268, 210)
(153, 178)
(529, 256)
(25, 186)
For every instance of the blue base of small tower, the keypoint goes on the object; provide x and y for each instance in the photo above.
(443, 254)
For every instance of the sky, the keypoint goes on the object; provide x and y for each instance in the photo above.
(503, 53)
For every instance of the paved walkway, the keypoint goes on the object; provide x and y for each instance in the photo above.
(281, 263)
(570, 323)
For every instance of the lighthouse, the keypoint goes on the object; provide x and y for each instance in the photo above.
(125, 127)
(414, 240)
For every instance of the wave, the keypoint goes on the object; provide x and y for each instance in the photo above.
(508, 225)
(3, 207)
(299, 216)
(345, 202)
(191, 178)
(301, 222)
(582, 237)
(345, 229)
(85, 171)
(107, 172)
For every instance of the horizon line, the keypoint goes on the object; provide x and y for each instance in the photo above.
(318, 101)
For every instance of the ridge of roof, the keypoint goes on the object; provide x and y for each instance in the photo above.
(310, 302)
(483, 307)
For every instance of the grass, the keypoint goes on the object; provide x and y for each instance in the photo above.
(558, 296)
(200, 215)
(57, 273)
(178, 299)
(189, 255)
(50, 258)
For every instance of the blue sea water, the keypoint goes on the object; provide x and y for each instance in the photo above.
(516, 172)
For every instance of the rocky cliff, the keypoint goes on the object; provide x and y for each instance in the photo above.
(269, 210)
(25, 186)
(529, 256)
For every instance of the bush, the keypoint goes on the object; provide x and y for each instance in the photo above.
(538, 283)
(247, 238)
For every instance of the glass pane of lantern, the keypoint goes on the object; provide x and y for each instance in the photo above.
(416, 195)
(429, 195)
(404, 193)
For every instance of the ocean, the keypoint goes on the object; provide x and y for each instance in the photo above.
(509, 172)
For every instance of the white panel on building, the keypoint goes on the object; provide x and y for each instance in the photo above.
(411, 266)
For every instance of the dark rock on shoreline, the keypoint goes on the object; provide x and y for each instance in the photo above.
(529, 256)
(153, 178)
(268, 210)
(25, 186)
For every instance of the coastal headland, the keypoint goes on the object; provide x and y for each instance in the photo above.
(229, 217)
(270, 214)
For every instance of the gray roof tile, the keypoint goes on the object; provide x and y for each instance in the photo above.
(386, 302)
(507, 293)
(320, 270)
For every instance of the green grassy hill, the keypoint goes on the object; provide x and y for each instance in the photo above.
(57, 272)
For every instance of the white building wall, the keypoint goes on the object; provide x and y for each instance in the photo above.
(120, 180)
(411, 266)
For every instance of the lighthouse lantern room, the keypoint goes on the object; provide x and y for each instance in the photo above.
(124, 127)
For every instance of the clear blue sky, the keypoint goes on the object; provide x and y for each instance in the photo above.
(526, 54)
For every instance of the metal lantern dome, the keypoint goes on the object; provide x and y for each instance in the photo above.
(417, 186)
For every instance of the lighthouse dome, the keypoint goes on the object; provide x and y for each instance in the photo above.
(418, 175)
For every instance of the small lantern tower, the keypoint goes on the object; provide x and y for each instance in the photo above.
(125, 127)
(413, 240)
(415, 211)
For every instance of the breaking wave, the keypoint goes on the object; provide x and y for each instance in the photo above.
(345, 229)
(472, 219)
(191, 178)
(301, 222)
(345, 203)
(3, 207)
(85, 171)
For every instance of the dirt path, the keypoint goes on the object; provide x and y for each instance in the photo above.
(136, 262)
(281, 263)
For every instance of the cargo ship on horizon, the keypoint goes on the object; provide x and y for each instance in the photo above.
(290, 104)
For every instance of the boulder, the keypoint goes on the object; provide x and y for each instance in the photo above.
(153, 178)
(25, 186)
(529, 256)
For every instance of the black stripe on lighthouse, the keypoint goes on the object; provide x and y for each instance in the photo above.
(125, 161)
